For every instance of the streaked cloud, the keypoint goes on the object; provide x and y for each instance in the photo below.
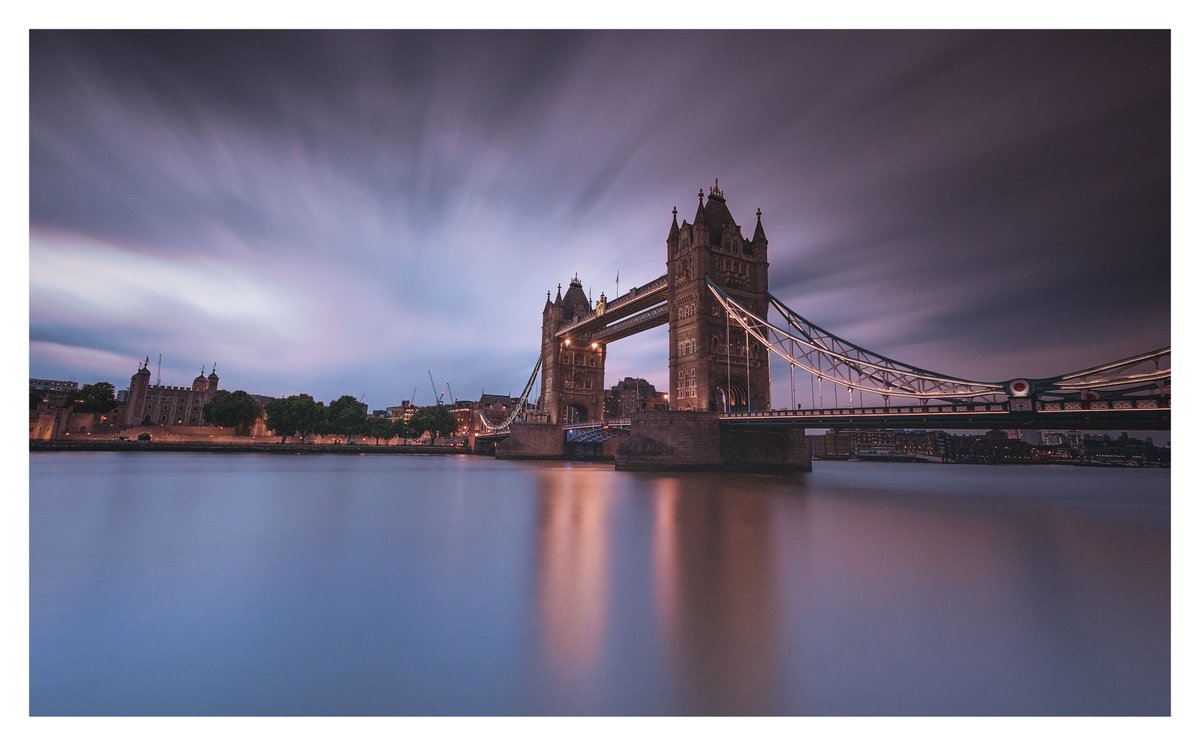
(342, 211)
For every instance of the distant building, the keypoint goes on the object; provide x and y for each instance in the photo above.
(851, 443)
(994, 447)
(1032, 437)
(497, 407)
(633, 395)
(46, 384)
(168, 405)
(833, 444)
(54, 394)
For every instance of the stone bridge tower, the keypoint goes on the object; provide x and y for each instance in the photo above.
(572, 370)
(711, 365)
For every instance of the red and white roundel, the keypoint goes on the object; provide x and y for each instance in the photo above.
(1019, 387)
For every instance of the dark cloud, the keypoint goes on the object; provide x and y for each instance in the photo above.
(989, 203)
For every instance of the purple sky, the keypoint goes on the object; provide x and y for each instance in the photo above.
(337, 212)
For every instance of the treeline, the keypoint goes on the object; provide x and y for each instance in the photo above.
(301, 416)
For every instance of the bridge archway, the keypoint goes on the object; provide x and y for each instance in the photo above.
(576, 413)
(729, 397)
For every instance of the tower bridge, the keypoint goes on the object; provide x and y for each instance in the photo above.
(715, 302)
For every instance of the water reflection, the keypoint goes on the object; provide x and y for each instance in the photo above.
(573, 564)
(195, 584)
(716, 592)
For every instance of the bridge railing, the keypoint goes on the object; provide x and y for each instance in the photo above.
(1024, 405)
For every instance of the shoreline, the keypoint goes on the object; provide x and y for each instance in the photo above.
(201, 447)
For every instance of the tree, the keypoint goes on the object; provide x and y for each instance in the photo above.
(295, 415)
(237, 410)
(437, 421)
(403, 429)
(34, 399)
(381, 427)
(98, 398)
(347, 415)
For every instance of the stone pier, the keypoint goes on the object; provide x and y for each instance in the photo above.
(529, 440)
(699, 441)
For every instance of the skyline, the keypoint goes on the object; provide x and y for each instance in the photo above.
(339, 212)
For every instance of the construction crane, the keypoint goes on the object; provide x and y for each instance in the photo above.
(433, 386)
(452, 399)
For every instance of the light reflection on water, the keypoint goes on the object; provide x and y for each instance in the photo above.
(249, 584)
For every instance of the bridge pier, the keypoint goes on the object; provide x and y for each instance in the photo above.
(529, 440)
(699, 441)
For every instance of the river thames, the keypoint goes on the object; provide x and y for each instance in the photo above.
(249, 584)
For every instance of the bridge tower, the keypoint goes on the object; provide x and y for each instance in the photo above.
(572, 369)
(712, 363)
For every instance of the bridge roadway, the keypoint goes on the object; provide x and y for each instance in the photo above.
(1142, 413)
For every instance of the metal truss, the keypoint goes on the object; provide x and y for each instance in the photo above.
(519, 408)
(1150, 371)
(831, 358)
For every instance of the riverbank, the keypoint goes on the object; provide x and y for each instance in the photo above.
(133, 446)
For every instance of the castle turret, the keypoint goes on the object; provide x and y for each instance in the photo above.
(139, 385)
(200, 383)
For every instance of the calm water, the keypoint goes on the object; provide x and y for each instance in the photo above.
(198, 584)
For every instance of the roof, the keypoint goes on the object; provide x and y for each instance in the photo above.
(575, 301)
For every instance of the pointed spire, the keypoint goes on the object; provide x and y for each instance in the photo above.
(759, 234)
(558, 298)
(674, 233)
(700, 210)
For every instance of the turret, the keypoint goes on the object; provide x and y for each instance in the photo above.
(575, 302)
(758, 244)
(673, 235)
(700, 224)
(139, 384)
